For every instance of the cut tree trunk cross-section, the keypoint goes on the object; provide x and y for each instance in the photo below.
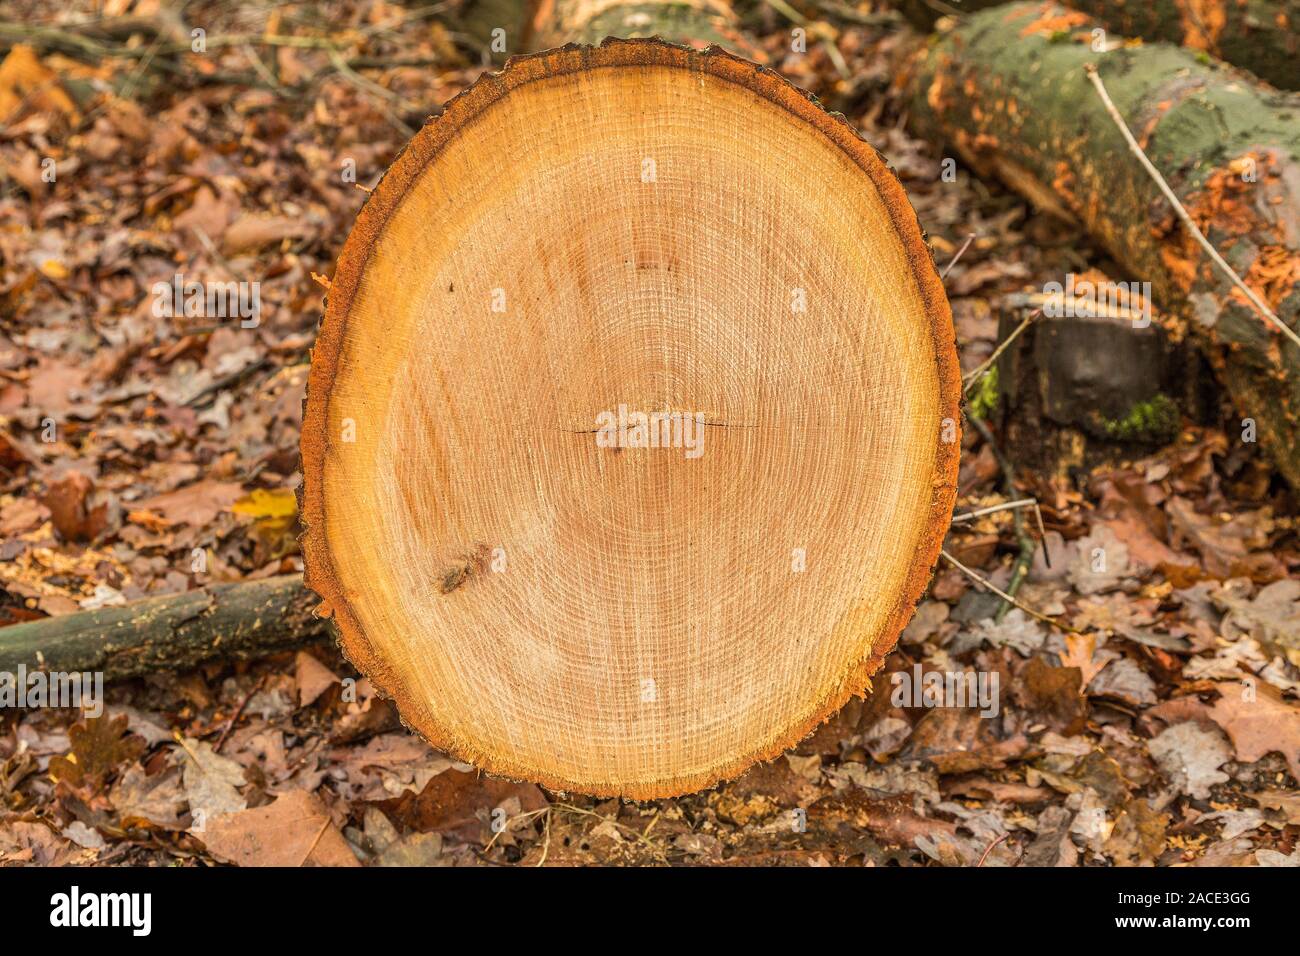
(631, 434)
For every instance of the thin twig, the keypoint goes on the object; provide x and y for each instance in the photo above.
(987, 364)
(837, 60)
(1083, 307)
(361, 83)
(638, 835)
(944, 9)
(133, 78)
(1007, 506)
(546, 840)
(960, 252)
(1025, 555)
(65, 40)
(262, 69)
(517, 818)
(842, 11)
(994, 509)
(989, 849)
(216, 387)
(990, 586)
(206, 241)
(832, 51)
(316, 842)
(787, 11)
(230, 725)
(1183, 214)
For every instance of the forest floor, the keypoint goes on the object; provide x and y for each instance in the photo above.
(1164, 731)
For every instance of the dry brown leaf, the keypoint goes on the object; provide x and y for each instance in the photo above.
(195, 504)
(27, 83)
(1190, 756)
(1079, 652)
(313, 678)
(1285, 802)
(144, 800)
(1123, 680)
(1053, 695)
(98, 746)
(251, 232)
(76, 515)
(1230, 548)
(461, 804)
(211, 781)
(1259, 725)
(1139, 835)
(295, 830)
(22, 515)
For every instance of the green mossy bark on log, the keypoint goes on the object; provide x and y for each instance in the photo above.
(1007, 88)
(236, 621)
(1256, 35)
(1262, 36)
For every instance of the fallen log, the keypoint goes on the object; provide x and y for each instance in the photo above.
(693, 22)
(541, 24)
(1013, 99)
(1262, 36)
(232, 621)
(627, 456)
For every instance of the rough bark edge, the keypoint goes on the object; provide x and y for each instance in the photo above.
(320, 574)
